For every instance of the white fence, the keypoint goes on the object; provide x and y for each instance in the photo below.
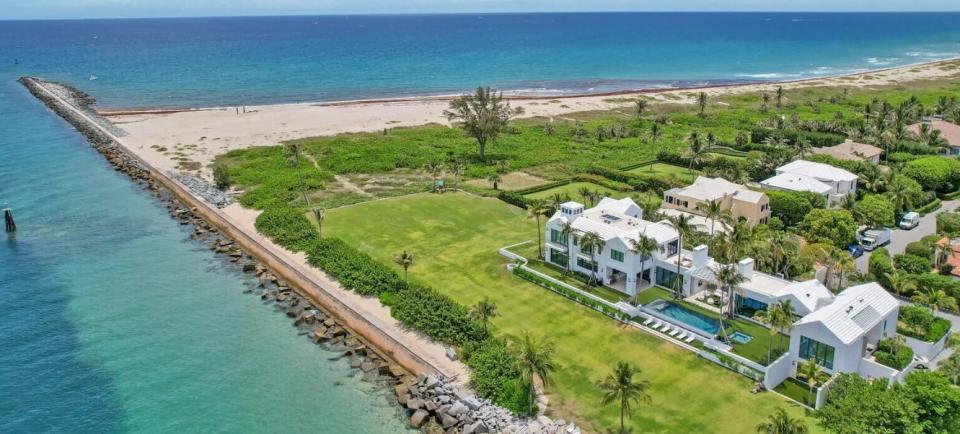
(925, 349)
(778, 371)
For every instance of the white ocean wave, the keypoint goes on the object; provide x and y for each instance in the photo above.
(769, 75)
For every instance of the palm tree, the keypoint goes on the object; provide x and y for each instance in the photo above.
(567, 232)
(494, 180)
(294, 152)
(585, 193)
(483, 311)
(640, 106)
(812, 374)
(592, 242)
(434, 168)
(643, 246)
(729, 278)
(901, 196)
(931, 137)
(404, 260)
(702, 103)
(680, 223)
(319, 214)
(620, 387)
(783, 320)
(655, 132)
(714, 211)
(764, 102)
(456, 169)
(936, 299)
(900, 282)
(844, 262)
(535, 209)
(536, 361)
(764, 316)
(802, 146)
(779, 96)
(483, 115)
(696, 150)
(781, 423)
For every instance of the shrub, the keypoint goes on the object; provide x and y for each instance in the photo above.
(494, 373)
(919, 323)
(288, 227)
(893, 354)
(875, 211)
(934, 173)
(513, 199)
(948, 223)
(221, 176)
(880, 265)
(573, 295)
(912, 264)
(354, 269)
(637, 181)
(791, 207)
(436, 315)
(758, 135)
(829, 226)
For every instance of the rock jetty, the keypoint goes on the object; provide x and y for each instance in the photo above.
(436, 405)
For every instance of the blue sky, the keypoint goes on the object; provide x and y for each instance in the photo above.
(27, 9)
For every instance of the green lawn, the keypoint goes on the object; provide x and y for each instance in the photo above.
(455, 238)
(797, 390)
(573, 190)
(668, 170)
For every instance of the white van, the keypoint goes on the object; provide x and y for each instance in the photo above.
(909, 221)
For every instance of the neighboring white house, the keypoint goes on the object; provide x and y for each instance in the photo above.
(831, 182)
(841, 335)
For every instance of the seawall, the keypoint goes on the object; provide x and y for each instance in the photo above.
(192, 209)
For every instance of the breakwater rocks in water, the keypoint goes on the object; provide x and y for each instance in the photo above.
(437, 406)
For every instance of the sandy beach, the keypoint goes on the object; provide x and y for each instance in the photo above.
(167, 138)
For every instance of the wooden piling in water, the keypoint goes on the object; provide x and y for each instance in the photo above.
(8, 220)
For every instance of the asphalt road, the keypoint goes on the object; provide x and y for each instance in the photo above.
(900, 238)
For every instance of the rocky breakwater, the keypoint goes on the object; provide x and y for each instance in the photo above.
(437, 406)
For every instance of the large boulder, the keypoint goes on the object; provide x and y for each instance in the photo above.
(478, 427)
(419, 418)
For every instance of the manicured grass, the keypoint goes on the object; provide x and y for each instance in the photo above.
(797, 390)
(455, 238)
(573, 190)
(667, 170)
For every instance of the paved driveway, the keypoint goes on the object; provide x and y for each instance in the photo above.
(900, 238)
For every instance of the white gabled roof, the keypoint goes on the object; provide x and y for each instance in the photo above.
(613, 218)
(817, 171)
(854, 311)
(796, 182)
(707, 189)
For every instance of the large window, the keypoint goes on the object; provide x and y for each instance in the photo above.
(616, 255)
(559, 258)
(557, 237)
(585, 263)
(665, 278)
(813, 350)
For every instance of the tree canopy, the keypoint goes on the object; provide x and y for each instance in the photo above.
(483, 115)
(829, 226)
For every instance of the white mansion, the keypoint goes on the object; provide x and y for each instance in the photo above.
(839, 331)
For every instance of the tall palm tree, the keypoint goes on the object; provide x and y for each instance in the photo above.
(812, 373)
(680, 223)
(655, 132)
(640, 106)
(404, 260)
(779, 94)
(643, 247)
(294, 152)
(620, 387)
(585, 193)
(729, 278)
(456, 169)
(901, 196)
(702, 103)
(764, 316)
(714, 211)
(435, 168)
(535, 356)
(592, 242)
(494, 180)
(697, 150)
(483, 311)
(931, 137)
(936, 299)
(783, 320)
(900, 282)
(535, 209)
(843, 263)
(781, 423)
(802, 146)
(319, 214)
(567, 232)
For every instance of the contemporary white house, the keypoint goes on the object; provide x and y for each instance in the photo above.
(842, 334)
(831, 182)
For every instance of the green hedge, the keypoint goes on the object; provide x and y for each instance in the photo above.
(288, 227)
(539, 188)
(638, 165)
(637, 181)
(895, 356)
(573, 295)
(354, 269)
(513, 199)
(930, 207)
(816, 139)
(919, 323)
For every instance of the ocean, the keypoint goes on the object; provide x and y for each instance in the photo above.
(113, 320)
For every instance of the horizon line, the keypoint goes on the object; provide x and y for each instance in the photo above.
(385, 14)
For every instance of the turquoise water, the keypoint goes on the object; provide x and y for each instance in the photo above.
(689, 317)
(741, 337)
(114, 321)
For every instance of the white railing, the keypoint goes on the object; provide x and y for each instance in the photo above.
(777, 371)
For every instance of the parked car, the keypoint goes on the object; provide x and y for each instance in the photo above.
(909, 220)
(855, 250)
(873, 238)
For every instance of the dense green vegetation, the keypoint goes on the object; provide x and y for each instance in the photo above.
(918, 322)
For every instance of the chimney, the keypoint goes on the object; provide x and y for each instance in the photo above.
(700, 255)
(745, 267)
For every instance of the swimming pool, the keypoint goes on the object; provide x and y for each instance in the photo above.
(687, 316)
(741, 337)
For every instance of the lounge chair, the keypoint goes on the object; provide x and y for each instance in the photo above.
(689, 338)
(676, 332)
(681, 336)
(667, 329)
(648, 321)
(656, 324)
(664, 327)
